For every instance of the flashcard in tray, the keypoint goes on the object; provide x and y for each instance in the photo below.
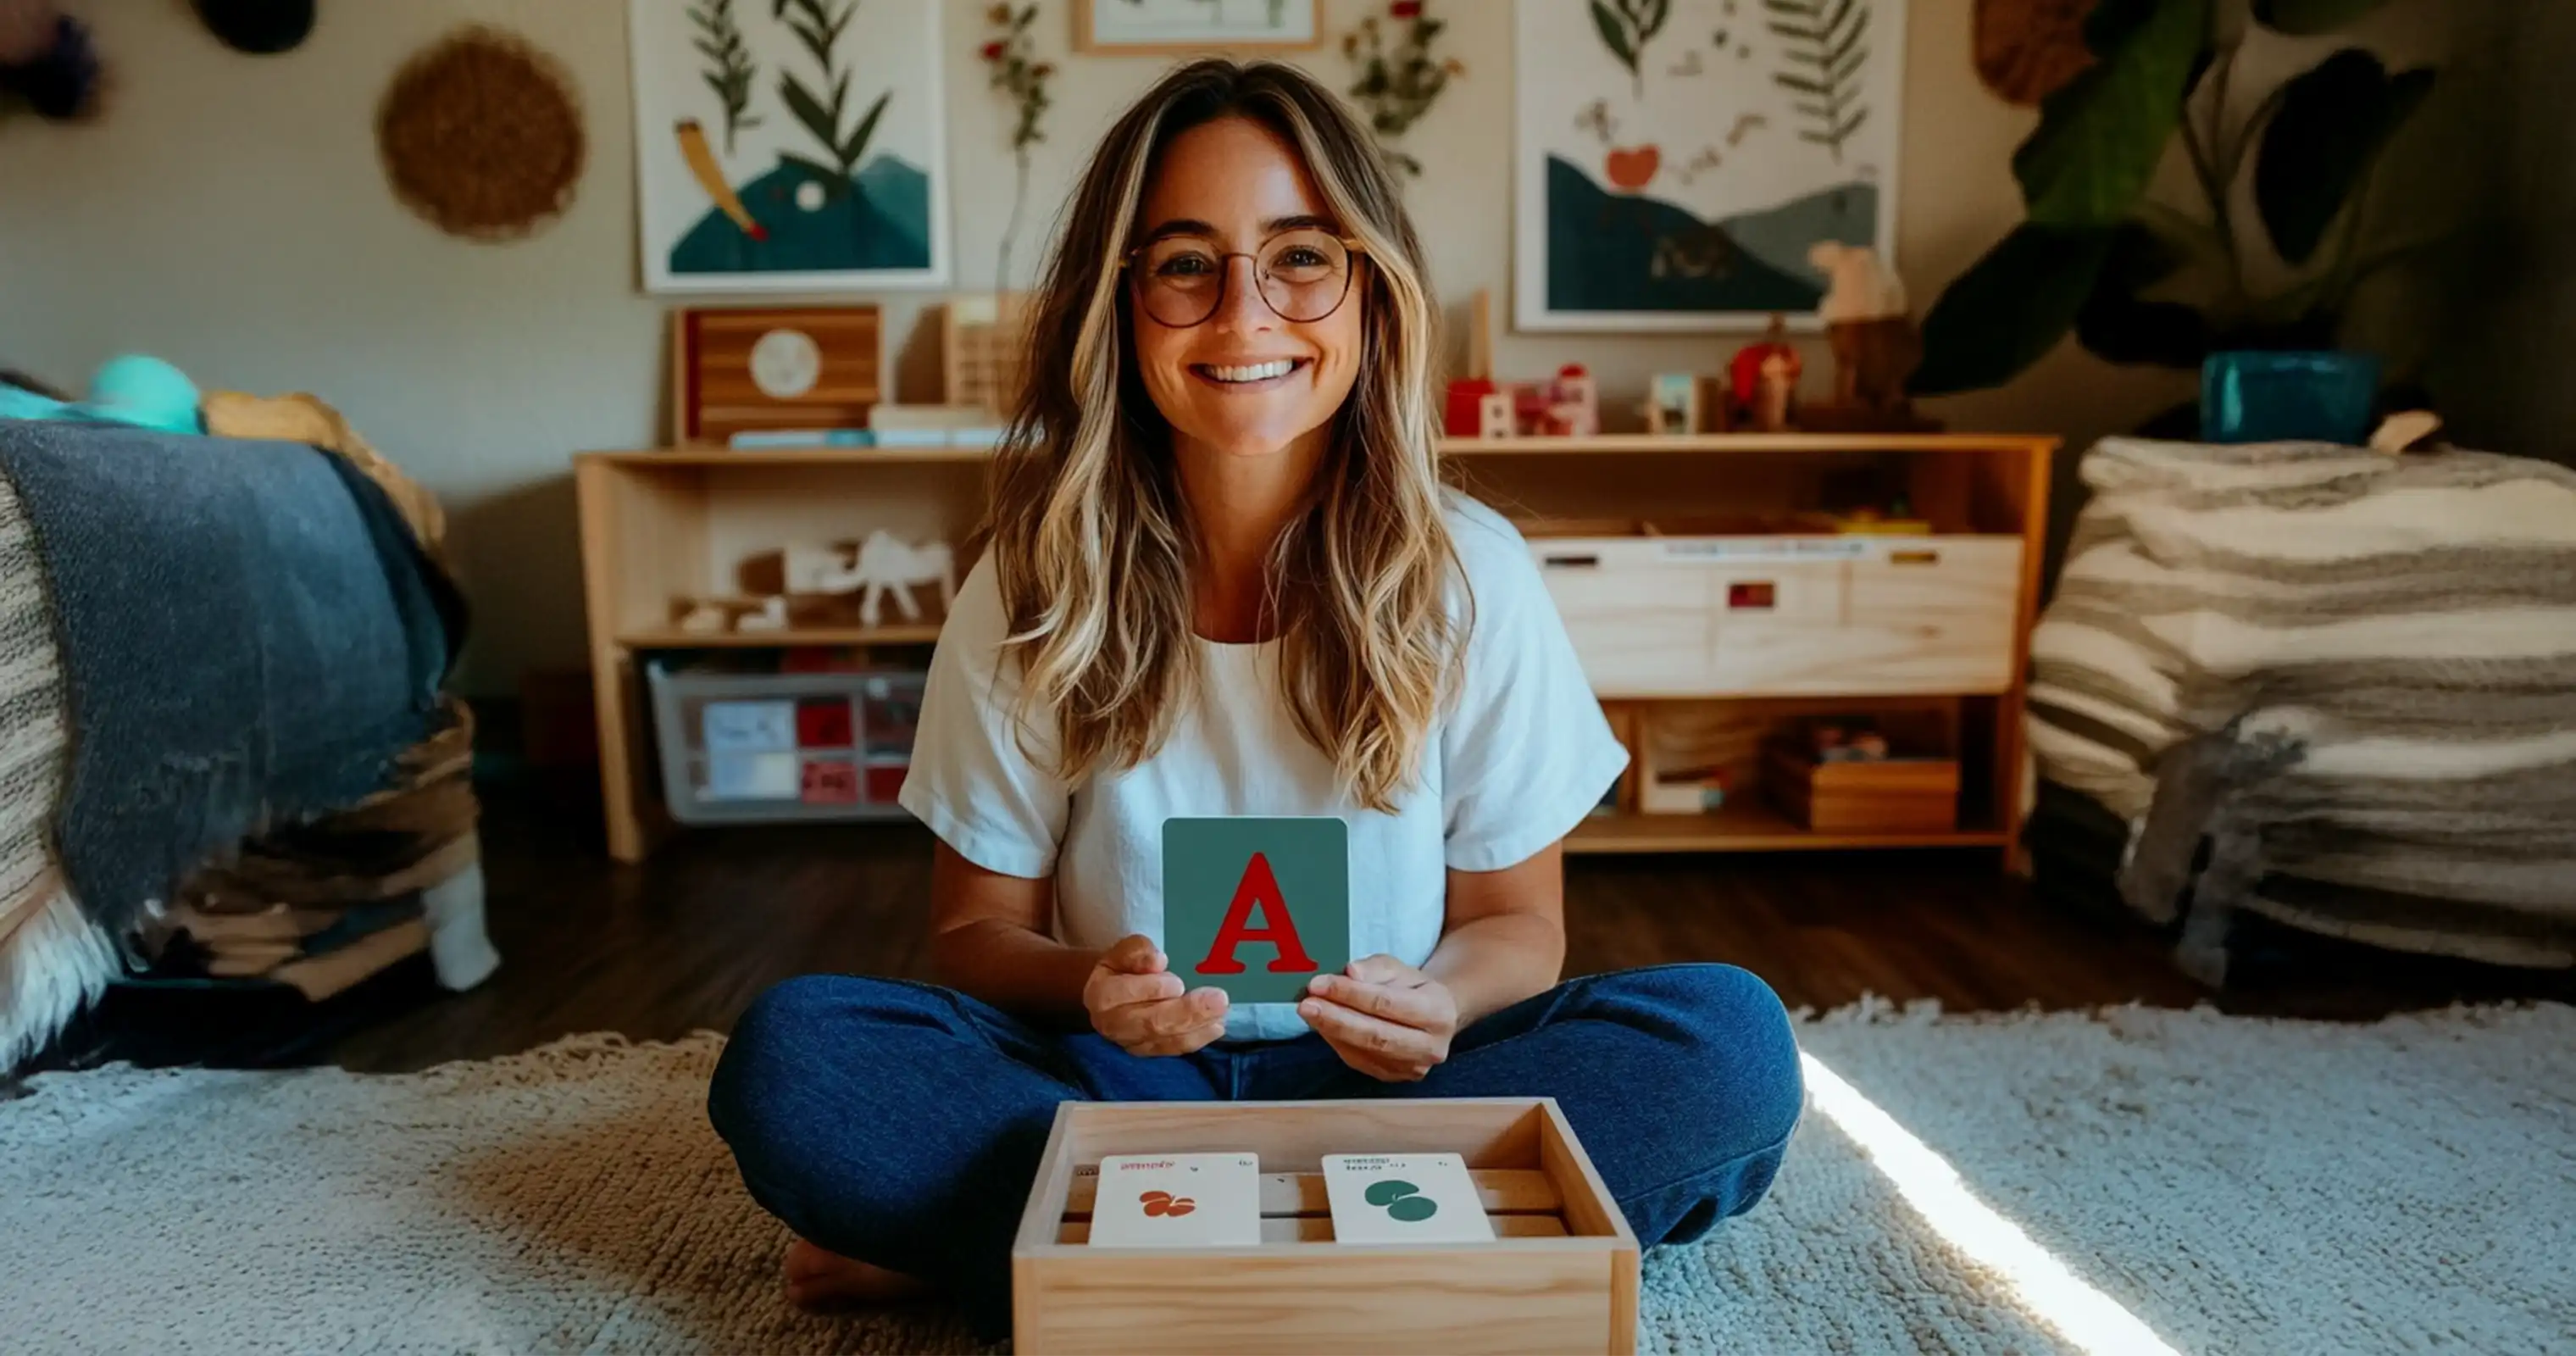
(1177, 1201)
(1404, 1198)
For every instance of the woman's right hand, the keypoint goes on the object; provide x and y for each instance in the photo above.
(1137, 1002)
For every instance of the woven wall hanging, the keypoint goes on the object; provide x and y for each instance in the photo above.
(481, 135)
(2029, 49)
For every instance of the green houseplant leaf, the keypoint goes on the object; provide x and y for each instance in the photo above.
(2333, 123)
(2117, 325)
(2100, 139)
(2307, 18)
(2011, 307)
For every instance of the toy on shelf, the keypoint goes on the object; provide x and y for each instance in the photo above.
(1572, 405)
(770, 615)
(1763, 379)
(1567, 405)
(1876, 346)
(883, 564)
(888, 565)
(1462, 415)
(1673, 404)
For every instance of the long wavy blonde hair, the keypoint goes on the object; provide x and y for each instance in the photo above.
(1090, 535)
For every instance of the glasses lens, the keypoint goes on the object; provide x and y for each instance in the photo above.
(1304, 273)
(1180, 279)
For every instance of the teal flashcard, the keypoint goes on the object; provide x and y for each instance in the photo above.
(1255, 905)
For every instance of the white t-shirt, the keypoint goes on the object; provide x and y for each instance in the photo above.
(1520, 759)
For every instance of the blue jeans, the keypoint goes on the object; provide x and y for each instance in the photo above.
(901, 1124)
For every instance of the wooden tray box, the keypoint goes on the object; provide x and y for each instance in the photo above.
(1560, 1277)
(1900, 795)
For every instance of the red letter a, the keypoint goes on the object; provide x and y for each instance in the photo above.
(1280, 930)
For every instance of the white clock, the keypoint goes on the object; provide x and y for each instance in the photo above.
(785, 364)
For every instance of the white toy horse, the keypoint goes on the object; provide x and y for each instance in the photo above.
(887, 565)
(884, 564)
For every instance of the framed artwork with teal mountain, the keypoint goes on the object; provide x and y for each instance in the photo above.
(1677, 160)
(789, 145)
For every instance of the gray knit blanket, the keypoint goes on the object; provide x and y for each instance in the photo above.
(200, 639)
(2353, 676)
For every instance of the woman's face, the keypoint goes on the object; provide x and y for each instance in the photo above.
(1230, 202)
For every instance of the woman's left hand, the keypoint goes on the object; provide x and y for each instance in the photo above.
(1383, 1017)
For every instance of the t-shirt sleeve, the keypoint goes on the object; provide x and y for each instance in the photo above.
(980, 786)
(1527, 753)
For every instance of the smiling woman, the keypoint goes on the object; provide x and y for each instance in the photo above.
(1223, 583)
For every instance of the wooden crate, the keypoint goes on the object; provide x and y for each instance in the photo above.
(983, 350)
(1901, 795)
(1561, 1277)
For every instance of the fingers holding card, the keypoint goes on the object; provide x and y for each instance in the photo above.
(1256, 905)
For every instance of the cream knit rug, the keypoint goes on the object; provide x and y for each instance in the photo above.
(2214, 1184)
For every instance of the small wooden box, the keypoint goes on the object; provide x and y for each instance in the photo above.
(1899, 795)
(1560, 1277)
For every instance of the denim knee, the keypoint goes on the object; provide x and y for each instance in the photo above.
(1735, 1093)
(763, 1048)
(1741, 1031)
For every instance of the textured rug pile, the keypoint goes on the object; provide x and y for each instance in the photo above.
(2204, 1182)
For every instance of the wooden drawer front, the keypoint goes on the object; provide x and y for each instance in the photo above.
(1641, 625)
(1746, 616)
(1937, 613)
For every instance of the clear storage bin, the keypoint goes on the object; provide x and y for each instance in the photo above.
(742, 747)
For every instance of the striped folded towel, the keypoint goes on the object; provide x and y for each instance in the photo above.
(2407, 625)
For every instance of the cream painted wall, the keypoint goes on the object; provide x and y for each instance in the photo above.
(229, 214)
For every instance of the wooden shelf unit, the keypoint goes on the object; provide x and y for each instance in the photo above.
(661, 527)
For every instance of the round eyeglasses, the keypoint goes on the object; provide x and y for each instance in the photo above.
(1303, 276)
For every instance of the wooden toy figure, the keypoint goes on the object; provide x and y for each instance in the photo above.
(1574, 404)
(1875, 343)
(1764, 378)
(884, 565)
(887, 565)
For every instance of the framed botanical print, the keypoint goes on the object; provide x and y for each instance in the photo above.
(1113, 27)
(1679, 160)
(789, 145)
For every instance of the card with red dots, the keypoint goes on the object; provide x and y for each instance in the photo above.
(1404, 1198)
(1178, 1200)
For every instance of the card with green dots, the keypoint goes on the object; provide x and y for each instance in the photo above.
(1404, 1198)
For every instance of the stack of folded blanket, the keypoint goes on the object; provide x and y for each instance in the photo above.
(322, 905)
(2333, 687)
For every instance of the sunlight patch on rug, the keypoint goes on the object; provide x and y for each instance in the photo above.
(2042, 1284)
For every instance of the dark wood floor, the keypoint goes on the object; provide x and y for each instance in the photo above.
(685, 941)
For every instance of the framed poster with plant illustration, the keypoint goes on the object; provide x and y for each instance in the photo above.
(1167, 27)
(1678, 159)
(789, 145)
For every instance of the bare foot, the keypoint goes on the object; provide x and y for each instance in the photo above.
(822, 1280)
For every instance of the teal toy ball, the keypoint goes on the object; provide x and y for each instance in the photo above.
(138, 389)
